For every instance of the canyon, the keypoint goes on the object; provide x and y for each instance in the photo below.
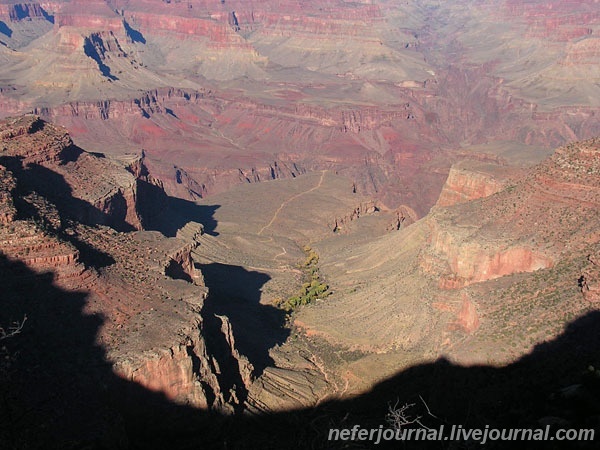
(185, 299)
(168, 77)
(173, 173)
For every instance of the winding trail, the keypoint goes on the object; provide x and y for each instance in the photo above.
(284, 252)
(292, 198)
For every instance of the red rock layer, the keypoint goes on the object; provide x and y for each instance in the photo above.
(151, 327)
(14, 12)
(472, 181)
(560, 21)
(522, 228)
(473, 261)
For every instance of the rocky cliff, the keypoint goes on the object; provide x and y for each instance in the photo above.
(530, 221)
(470, 180)
(386, 109)
(466, 279)
(65, 171)
(19, 11)
(74, 215)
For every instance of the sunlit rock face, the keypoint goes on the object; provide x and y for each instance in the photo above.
(77, 218)
(234, 92)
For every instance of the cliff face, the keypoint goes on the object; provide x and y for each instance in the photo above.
(149, 103)
(56, 201)
(14, 12)
(529, 222)
(171, 372)
(56, 164)
(363, 209)
(212, 88)
(465, 260)
(180, 264)
(559, 21)
(589, 281)
(470, 180)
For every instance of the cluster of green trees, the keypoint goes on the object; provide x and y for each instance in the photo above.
(313, 287)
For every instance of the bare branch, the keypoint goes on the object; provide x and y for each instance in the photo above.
(13, 330)
(428, 410)
(399, 417)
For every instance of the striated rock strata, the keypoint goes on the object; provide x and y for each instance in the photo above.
(61, 210)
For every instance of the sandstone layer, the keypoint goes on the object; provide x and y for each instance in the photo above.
(75, 216)
(472, 274)
(391, 108)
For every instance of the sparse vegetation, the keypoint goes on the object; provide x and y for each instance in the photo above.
(312, 287)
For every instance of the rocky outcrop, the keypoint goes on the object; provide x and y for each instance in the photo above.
(582, 53)
(183, 372)
(7, 186)
(244, 367)
(369, 118)
(147, 104)
(14, 12)
(15, 133)
(186, 27)
(29, 244)
(145, 286)
(91, 14)
(180, 263)
(65, 170)
(561, 21)
(363, 209)
(589, 281)
(520, 233)
(465, 260)
(467, 318)
(403, 217)
(467, 181)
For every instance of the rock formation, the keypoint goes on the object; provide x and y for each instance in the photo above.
(362, 209)
(420, 111)
(151, 74)
(76, 215)
(589, 280)
(467, 275)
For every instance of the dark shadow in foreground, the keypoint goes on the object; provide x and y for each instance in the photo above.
(57, 391)
(235, 292)
(169, 214)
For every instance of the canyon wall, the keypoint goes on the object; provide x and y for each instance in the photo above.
(521, 232)
(463, 260)
(382, 109)
(470, 180)
(134, 280)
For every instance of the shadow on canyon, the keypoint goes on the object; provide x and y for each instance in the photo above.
(90, 45)
(36, 179)
(157, 211)
(37, 184)
(5, 30)
(180, 212)
(58, 391)
(134, 34)
(168, 215)
(235, 292)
